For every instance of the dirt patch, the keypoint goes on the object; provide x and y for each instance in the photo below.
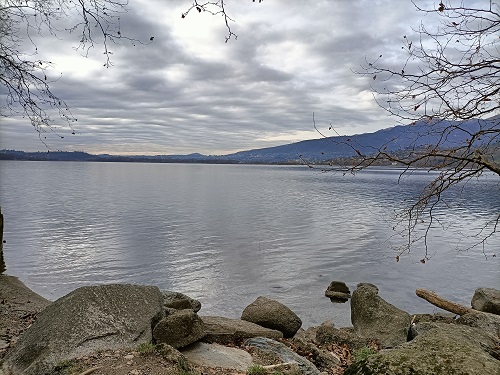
(19, 307)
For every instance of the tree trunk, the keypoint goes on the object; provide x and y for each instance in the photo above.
(2, 261)
(443, 303)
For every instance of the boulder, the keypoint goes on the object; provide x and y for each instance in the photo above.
(230, 331)
(323, 359)
(338, 290)
(179, 329)
(486, 321)
(328, 334)
(486, 300)
(180, 301)
(215, 355)
(373, 317)
(86, 320)
(440, 349)
(272, 314)
(284, 353)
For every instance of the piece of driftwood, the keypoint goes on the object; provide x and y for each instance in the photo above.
(443, 303)
(270, 367)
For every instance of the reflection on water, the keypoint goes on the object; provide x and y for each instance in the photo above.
(226, 234)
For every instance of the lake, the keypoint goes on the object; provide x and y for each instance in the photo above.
(225, 234)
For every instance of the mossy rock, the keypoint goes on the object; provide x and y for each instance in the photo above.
(444, 349)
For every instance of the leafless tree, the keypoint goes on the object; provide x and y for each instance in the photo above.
(25, 85)
(24, 81)
(449, 86)
(215, 8)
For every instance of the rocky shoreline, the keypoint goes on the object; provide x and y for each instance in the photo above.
(126, 329)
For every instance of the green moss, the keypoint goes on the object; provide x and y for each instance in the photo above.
(256, 370)
(68, 367)
(363, 353)
(146, 348)
(183, 367)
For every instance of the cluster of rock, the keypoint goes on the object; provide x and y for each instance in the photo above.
(124, 316)
(427, 344)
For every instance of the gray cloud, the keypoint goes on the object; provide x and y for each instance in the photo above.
(188, 91)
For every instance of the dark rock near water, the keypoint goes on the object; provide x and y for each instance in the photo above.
(439, 349)
(228, 331)
(272, 314)
(179, 329)
(339, 286)
(373, 317)
(86, 320)
(180, 301)
(338, 291)
(284, 353)
(487, 300)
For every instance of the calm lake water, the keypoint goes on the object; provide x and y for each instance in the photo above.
(225, 234)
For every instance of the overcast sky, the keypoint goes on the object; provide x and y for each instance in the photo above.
(189, 91)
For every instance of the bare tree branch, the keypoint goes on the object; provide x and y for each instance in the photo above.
(447, 88)
(24, 80)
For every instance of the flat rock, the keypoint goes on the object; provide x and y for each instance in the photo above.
(215, 355)
(226, 331)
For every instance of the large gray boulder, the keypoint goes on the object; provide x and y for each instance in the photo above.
(373, 317)
(179, 329)
(86, 320)
(272, 314)
(231, 331)
(439, 349)
(487, 300)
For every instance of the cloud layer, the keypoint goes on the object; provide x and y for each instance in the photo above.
(189, 91)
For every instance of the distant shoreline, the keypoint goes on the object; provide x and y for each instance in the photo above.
(78, 156)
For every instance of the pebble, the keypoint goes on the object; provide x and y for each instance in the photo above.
(129, 356)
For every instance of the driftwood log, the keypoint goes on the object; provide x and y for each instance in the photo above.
(443, 303)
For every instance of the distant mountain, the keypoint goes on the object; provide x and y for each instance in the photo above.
(313, 151)
(392, 139)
